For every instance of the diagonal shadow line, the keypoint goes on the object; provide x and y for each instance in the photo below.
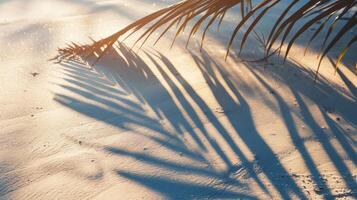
(178, 122)
(341, 139)
(212, 118)
(347, 82)
(298, 142)
(63, 99)
(120, 121)
(174, 189)
(87, 89)
(206, 68)
(106, 102)
(189, 109)
(245, 126)
(100, 113)
(98, 82)
(145, 158)
(330, 150)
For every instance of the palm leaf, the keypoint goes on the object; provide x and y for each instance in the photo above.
(306, 13)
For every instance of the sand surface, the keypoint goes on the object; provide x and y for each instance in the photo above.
(164, 123)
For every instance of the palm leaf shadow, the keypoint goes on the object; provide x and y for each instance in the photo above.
(131, 76)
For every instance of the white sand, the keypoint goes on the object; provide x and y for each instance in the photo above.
(164, 123)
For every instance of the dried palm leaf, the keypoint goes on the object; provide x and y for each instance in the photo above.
(335, 18)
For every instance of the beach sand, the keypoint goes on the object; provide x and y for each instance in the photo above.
(165, 123)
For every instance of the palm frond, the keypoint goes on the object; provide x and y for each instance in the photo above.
(335, 19)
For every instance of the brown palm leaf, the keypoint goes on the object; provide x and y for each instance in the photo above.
(335, 18)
